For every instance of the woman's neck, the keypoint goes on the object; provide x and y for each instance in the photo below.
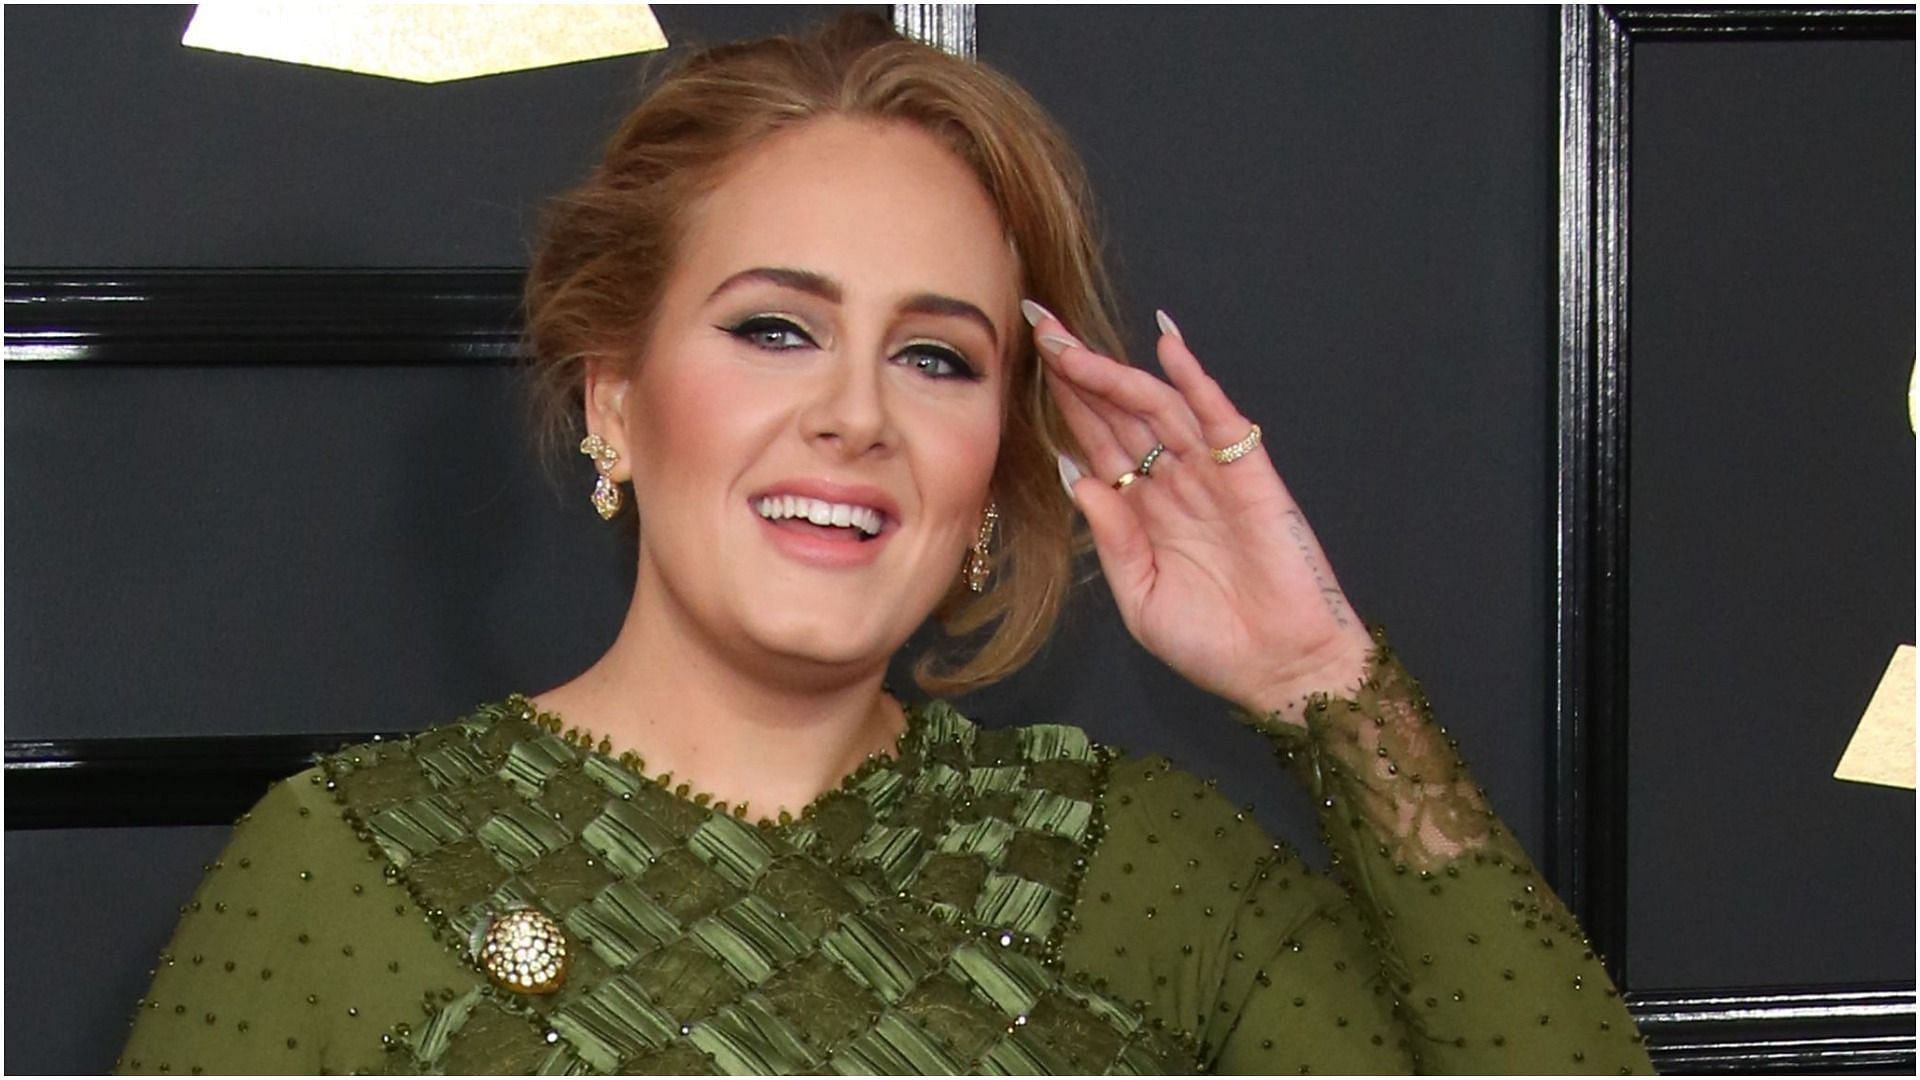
(763, 733)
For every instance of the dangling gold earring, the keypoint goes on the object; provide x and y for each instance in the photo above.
(978, 567)
(606, 494)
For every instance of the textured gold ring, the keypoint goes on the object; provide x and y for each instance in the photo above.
(1153, 455)
(1227, 455)
(1126, 479)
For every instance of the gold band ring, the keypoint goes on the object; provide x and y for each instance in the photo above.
(1126, 478)
(1227, 455)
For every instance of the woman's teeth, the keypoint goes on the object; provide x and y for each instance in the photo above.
(845, 515)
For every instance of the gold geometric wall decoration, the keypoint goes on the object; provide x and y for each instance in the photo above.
(426, 43)
(1881, 750)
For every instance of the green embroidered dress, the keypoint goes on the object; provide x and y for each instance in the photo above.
(988, 900)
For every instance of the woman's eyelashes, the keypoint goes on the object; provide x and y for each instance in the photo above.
(770, 332)
(776, 333)
(938, 361)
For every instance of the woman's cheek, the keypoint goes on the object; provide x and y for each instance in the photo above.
(692, 419)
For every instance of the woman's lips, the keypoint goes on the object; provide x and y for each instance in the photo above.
(828, 491)
(826, 547)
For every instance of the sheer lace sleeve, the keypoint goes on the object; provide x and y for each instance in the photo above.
(1486, 969)
(1379, 751)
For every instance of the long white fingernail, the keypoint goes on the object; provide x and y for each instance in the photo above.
(1034, 312)
(1166, 324)
(1069, 472)
(1054, 344)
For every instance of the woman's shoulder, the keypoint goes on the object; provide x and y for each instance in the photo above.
(462, 749)
(297, 908)
(1144, 801)
(332, 801)
(1160, 812)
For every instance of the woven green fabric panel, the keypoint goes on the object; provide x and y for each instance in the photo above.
(910, 922)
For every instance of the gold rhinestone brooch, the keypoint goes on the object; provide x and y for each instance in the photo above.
(525, 951)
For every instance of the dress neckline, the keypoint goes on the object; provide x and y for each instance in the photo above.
(631, 762)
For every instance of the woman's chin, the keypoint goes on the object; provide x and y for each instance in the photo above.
(818, 638)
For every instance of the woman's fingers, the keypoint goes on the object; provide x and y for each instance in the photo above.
(1120, 412)
(1220, 422)
(1129, 390)
(1105, 454)
(1132, 434)
(1116, 391)
(1120, 540)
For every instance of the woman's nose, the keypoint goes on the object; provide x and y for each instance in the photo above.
(850, 406)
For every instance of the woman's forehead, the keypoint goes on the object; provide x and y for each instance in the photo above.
(879, 207)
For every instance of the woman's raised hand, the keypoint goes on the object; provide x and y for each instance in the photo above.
(1213, 566)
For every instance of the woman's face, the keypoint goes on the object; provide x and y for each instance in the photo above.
(833, 333)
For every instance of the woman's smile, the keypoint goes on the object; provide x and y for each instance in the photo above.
(827, 525)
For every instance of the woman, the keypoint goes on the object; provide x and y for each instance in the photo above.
(800, 308)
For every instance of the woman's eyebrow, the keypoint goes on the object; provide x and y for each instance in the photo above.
(827, 289)
(935, 304)
(805, 281)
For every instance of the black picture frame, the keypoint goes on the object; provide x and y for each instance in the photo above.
(1813, 1028)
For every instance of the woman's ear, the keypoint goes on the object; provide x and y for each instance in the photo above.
(607, 381)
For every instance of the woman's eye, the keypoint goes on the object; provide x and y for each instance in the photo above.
(771, 332)
(937, 362)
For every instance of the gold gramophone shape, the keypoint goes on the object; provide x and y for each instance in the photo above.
(1881, 750)
(426, 43)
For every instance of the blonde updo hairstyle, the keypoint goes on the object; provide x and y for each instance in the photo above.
(606, 248)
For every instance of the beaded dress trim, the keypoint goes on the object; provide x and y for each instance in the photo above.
(523, 706)
(908, 921)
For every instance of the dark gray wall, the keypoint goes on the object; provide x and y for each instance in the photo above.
(125, 148)
(1773, 508)
(1350, 214)
(88, 911)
